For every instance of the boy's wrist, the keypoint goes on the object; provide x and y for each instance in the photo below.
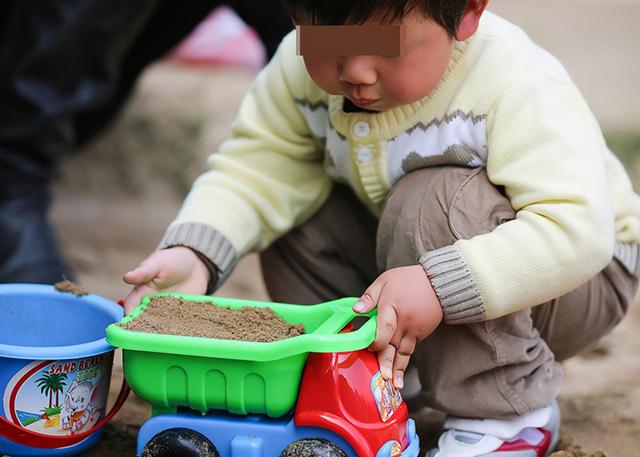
(215, 250)
(212, 280)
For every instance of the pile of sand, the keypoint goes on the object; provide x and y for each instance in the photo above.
(176, 316)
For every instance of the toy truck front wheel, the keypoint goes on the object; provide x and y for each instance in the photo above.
(313, 447)
(179, 442)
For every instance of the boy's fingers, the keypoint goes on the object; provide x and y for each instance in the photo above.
(401, 361)
(370, 297)
(134, 297)
(385, 360)
(387, 325)
(143, 274)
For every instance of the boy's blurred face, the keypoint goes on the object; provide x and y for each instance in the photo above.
(380, 83)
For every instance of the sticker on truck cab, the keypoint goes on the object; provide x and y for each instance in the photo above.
(387, 398)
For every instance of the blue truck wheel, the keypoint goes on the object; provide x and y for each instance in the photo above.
(313, 447)
(179, 442)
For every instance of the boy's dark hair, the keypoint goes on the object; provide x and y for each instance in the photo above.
(447, 13)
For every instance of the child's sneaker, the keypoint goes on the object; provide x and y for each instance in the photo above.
(534, 434)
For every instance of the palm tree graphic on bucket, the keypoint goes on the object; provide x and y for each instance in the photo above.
(50, 384)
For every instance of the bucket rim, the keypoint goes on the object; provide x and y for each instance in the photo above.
(68, 352)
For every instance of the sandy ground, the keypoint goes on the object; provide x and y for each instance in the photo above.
(115, 200)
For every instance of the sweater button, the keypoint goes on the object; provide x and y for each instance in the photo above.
(364, 154)
(361, 129)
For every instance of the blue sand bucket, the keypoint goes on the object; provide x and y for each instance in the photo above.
(55, 370)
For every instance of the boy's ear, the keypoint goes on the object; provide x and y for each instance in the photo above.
(471, 19)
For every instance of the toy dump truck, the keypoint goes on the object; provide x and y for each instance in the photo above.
(317, 394)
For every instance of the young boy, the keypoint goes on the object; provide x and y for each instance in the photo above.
(466, 169)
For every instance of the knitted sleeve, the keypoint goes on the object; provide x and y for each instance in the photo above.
(546, 149)
(267, 178)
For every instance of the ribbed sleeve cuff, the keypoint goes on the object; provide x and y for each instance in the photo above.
(209, 243)
(628, 254)
(452, 282)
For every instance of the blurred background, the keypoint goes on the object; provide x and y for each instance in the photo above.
(114, 200)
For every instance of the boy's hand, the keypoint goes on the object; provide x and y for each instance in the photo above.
(176, 269)
(408, 311)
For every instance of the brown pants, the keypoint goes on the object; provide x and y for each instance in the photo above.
(487, 369)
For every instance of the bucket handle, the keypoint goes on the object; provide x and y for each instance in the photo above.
(20, 435)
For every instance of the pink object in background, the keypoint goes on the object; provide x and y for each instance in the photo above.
(222, 38)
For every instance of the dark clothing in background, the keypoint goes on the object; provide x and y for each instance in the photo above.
(66, 69)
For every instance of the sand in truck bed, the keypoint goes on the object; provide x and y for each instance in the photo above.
(176, 316)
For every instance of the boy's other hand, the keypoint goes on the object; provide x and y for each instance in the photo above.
(176, 269)
(408, 311)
